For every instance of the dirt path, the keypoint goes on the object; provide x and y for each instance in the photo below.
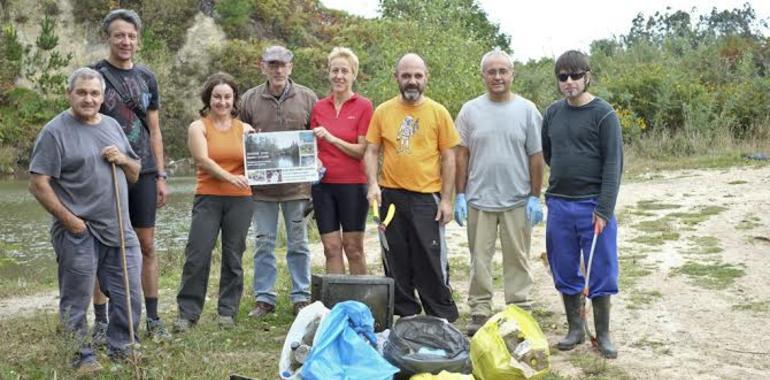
(694, 300)
(665, 324)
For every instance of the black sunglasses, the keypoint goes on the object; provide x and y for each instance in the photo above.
(574, 76)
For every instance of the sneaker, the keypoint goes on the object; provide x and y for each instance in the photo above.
(183, 325)
(299, 306)
(156, 330)
(225, 322)
(261, 309)
(477, 321)
(99, 335)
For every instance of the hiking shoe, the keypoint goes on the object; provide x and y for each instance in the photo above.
(125, 355)
(477, 321)
(183, 325)
(299, 306)
(225, 322)
(261, 309)
(85, 366)
(99, 335)
(156, 330)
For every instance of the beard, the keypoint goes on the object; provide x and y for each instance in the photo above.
(411, 93)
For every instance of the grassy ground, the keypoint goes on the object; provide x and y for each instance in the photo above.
(34, 349)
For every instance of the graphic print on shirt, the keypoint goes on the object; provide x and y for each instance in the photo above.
(407, 129)
(132, 125)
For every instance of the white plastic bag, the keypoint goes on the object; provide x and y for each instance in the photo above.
(296, 332)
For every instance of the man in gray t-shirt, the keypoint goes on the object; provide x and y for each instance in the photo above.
(72, 177)
(499, 175)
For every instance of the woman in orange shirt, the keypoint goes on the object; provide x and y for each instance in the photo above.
(222, 203)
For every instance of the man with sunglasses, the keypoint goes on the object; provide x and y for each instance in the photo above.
(499, 175)
(279, 104)
(582, 144)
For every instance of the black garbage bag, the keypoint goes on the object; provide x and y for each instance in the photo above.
(422, 343)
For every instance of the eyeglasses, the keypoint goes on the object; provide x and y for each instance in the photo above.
(575, 76)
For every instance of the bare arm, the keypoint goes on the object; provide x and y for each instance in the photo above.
(461, 178)
(371, 165)
(196, 142)
(40, 187)
(356, 150)
(444, 214)
(156, 144)
(536, 170)
(130, 166)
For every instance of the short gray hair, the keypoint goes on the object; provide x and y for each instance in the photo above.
(494, 53)
(126, 15)
(84, 73)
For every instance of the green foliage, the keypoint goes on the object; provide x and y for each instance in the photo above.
(680, 85)
(297, 22)
(43, 63)
(12, 55)
(454, 78)
(535, 81)
(240, 59)
(90, 11)
(234, 15)
(465, 14)
(23, 112)
(673, 77)
(168, 19)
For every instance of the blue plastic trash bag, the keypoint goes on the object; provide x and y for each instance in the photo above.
(343, 348)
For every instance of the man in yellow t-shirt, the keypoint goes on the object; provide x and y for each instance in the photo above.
(417, 137)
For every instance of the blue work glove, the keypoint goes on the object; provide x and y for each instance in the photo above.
(534, 211)
(461, 209)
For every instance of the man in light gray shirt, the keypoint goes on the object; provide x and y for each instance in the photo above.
(71, 177)
(499, 175)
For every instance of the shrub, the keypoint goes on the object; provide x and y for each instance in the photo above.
(234, 15)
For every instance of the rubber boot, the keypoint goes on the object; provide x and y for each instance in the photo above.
(576, 333)
(602, 324)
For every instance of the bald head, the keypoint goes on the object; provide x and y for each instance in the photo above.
(412, 77)
(413, 60)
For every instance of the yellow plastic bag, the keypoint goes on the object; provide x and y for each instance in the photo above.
(510, 346)
(443, 375)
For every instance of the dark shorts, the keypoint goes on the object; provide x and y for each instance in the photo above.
(142, 201)
(340, 204)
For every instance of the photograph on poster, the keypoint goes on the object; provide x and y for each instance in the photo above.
(280, 157)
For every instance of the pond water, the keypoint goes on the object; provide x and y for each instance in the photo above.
(25, 248)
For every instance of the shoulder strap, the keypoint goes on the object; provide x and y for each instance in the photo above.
(123, 93)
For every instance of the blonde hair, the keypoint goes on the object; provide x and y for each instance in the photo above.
(343, 52)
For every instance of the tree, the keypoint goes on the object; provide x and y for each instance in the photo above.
(42, 64)
(445, 13)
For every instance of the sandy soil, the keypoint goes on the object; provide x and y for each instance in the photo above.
(688, 331)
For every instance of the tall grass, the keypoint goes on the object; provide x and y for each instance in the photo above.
(663, 150)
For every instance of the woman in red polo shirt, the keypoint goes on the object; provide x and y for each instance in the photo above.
(340, 121)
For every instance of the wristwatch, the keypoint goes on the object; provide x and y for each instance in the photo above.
(162, 175)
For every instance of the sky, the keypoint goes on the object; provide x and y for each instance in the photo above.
(546, 28)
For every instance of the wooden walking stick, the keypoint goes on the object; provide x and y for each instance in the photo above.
(126, 285)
